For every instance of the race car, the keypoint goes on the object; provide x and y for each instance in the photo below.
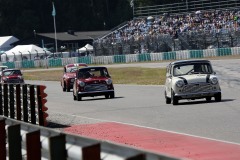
(93, 81)
(69, 74)
(12, 76)
(191, 79)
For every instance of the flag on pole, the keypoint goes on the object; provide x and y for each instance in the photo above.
(131, 3)
(53, 11)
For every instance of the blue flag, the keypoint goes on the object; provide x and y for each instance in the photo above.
(53, 11)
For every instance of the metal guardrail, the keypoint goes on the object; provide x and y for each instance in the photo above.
(24, 102)
(20, 140)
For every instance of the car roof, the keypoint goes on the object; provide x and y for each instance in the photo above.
(3, 66)
(96, 67)
(11, 70)
(75, 64)
(190, 61)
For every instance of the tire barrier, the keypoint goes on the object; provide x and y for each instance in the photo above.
(9, 64)
(196, 54)
(235, 50)
(169, 55)
(128, 58)
(119, 59)
(144, 57)
(224, 52)
(28, 64)
(86, 60)
(55, 62)
(24, 102)
(19, 140)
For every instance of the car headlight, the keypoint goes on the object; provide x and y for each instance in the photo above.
(5, 78)
(109, 81)
(72, 80)
(20, 77)
(179, 83)
(81, 83)
(214, 80)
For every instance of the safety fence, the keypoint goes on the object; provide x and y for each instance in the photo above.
(24, 102)
(19, 140)
(126, 58)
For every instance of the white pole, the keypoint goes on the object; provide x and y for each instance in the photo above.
(55, 29)
(55, 33)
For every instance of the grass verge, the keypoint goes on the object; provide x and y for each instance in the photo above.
(130, 75)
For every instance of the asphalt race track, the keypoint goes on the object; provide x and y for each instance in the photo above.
(145, 107)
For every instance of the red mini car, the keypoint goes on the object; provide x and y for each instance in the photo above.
(93, 81)
(12, 76)
(69, 74)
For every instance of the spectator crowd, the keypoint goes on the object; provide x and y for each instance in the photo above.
(207, 21)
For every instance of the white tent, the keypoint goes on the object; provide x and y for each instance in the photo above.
(26, 52)
(89, 47)
(86, 48)
(6, 42)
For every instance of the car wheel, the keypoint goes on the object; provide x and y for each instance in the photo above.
(79, 98)
(68, 89)
(64, 87)
(112, 95)
(107, 96)
(174, 98)
(74, 97)
(218, 97)
(208, 99)
(168, 100)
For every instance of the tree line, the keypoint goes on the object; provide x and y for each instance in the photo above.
(23, 18)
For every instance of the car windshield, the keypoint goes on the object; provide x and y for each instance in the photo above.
(12, 72)
(93, 72)
(192, 68)
(71, 69)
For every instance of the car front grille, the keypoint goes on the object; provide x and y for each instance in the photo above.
(195, 88)
(95, 87)
(15, 81)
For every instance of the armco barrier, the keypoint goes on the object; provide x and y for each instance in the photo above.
(19, 140)
(24, 102)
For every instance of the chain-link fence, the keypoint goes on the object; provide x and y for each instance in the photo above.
(166, 43)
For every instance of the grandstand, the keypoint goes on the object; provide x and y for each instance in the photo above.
(187, 25)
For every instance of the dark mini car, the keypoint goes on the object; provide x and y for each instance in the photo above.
(69, 74)
(12, 76)
(93, 81)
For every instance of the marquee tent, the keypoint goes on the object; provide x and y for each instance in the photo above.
(26, 52)
(86, 48)
(6, 42)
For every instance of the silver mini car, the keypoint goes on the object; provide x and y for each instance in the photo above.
(191, 79)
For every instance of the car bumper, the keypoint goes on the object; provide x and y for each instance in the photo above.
(14, 81)
(95, 93)
(197, 95)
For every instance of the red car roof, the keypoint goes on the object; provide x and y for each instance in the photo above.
(76, 64)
